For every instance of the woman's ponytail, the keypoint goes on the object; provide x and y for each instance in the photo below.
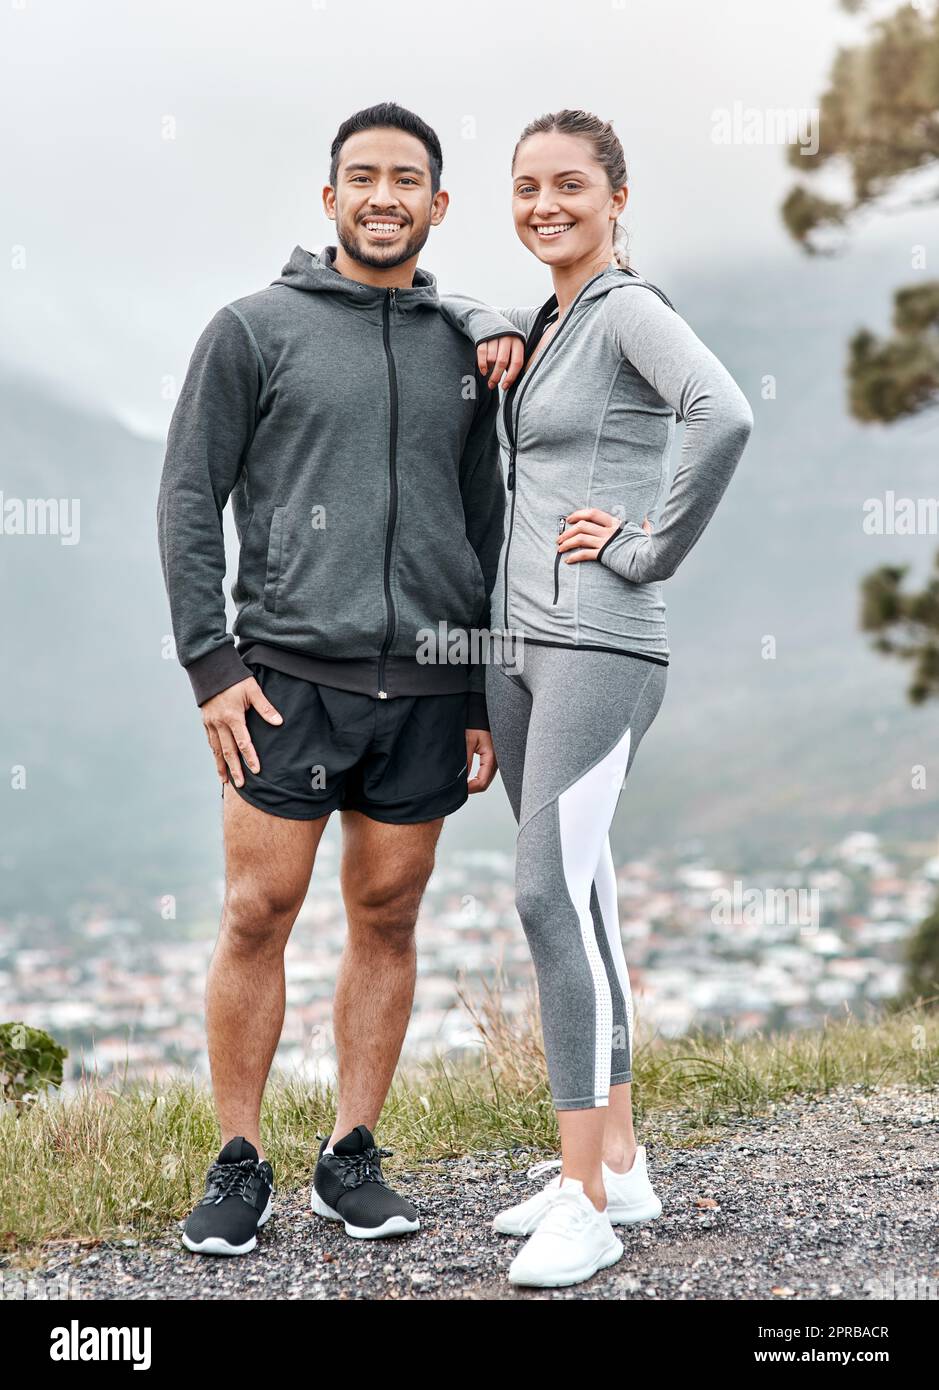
(620, 246)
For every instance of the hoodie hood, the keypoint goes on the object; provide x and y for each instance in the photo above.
(308, 272)
(613, 279)
(316, 272)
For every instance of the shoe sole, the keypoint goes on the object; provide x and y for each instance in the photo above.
(619, 1216)
(561, 1281)
(635, 1216)
(216, 1245)
(509, 1228)
(394, 1226)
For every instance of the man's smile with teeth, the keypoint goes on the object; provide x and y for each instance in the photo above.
(383, 226)
(552, 228)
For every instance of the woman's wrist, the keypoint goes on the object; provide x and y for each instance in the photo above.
(625, 551)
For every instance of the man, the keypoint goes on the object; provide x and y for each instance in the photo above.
(347, 422)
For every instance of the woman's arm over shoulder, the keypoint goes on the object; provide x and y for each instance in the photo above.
(522, 317)
(479, 322)
(666, 351)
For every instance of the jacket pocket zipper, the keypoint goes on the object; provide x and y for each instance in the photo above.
(562, 526)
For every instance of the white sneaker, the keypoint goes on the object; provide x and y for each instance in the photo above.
(630, 1198)
(572, 1241)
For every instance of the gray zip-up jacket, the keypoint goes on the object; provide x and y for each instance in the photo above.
(590, 423)
(356, 441)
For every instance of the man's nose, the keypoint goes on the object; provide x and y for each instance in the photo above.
(383, 195)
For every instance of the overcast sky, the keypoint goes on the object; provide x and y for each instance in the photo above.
(132, 240)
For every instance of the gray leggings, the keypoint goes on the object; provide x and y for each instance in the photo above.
(566, 724)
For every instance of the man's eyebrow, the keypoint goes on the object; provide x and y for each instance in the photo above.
(396, 169)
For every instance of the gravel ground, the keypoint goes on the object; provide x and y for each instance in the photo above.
(813, 1201)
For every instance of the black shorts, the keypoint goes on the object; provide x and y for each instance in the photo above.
(401, 760)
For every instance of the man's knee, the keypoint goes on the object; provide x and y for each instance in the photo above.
(258, 917)
(386, 900)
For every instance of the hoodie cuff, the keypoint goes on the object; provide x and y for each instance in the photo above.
(509, 331)
(216, 671)
(625, 552)
(477, 715)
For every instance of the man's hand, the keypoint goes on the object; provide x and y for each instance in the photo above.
(479, 741)
(223, 718)
(501, 359)
(588, 531)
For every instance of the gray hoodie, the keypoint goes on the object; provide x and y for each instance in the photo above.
(351, 431)
(590, 424)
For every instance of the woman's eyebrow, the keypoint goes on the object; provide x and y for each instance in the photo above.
(565, 174)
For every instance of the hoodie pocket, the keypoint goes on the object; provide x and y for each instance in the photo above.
(275, 550)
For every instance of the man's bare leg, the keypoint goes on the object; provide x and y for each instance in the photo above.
(268, 863)
(384, 871)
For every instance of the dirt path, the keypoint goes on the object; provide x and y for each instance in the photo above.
(835, 1198)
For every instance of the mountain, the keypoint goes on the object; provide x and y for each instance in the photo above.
(749, 759)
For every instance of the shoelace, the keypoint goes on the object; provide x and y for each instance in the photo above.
(536, 1170)
(566, 1216)
(363, 1167)
(228, 1180)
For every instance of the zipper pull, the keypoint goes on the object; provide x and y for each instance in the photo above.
(392, 292)
(510, 482)
(562, 525)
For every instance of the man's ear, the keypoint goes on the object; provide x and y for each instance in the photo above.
(329, 202)
(438, 208)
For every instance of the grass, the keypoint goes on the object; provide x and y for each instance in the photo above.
(126, 1160)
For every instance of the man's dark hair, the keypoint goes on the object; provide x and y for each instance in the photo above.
(389, 113)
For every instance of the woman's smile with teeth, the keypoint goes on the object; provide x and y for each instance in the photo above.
(546, 229)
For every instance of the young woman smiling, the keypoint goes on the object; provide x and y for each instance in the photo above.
(586, 431)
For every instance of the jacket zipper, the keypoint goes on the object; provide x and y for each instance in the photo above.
(511, 425)
(393, 480)
(562, 527)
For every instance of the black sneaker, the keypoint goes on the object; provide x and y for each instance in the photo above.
(239, 1193)
(348, 1186)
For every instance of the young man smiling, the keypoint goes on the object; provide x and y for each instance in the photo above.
(347, 422)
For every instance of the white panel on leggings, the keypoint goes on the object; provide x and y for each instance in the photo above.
(585, 811)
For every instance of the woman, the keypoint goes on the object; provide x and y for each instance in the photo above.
(586, 432)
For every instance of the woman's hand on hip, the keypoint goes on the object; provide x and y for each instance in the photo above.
(588, 530)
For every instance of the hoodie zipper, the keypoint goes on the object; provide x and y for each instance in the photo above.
(511, 430)
(393, 481)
